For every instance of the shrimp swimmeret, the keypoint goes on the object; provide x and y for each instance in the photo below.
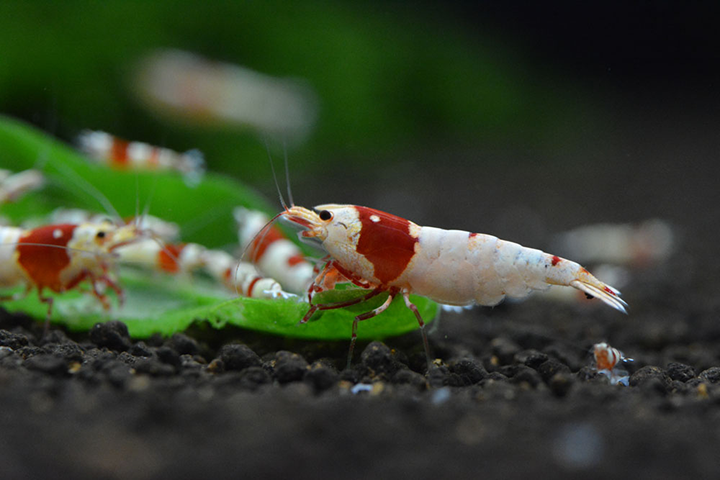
(386, 253)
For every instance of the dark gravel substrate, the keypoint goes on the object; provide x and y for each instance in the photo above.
(512, 394)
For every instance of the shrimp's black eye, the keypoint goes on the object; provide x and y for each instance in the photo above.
(101, 235)
(325, 215)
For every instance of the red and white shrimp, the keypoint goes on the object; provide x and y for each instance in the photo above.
(60, 257)
(162, 254)
(273, 253)
(241, 277)
(173, 258)
(124, 155)
(386, 253)
(159, 228)
(15, 185)
(606, 360)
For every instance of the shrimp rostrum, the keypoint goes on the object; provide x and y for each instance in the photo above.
(386, 253)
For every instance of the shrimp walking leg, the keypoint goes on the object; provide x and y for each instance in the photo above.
(330, 275)
(414, 309)
(331, 306)
(49, 301)
(317, 285)
(104, 300)
(115, 287)
(100, 296)
(365, 316)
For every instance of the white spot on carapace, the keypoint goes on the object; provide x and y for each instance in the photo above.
(374, 218)
(57, 233)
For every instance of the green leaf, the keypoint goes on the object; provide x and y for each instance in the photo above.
(162, 304)
(159, 303)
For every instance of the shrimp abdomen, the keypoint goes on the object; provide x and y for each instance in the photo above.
(461, 268)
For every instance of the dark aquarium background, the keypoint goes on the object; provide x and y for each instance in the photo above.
(400, 101)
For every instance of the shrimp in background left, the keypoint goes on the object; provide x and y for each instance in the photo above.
(162, 252)
(161, 229)
(121, 154)
(61, 257)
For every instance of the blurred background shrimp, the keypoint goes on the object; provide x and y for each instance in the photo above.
(61, 257)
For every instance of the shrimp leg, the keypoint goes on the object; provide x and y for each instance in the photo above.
(49, 301)
(372, 313)
(331, 306)
(426, 344)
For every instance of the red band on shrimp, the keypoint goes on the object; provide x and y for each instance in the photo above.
(228, 274)
(295, 259)
(44, 264)
(250, 288)
(154, 159)
(169, 258)
(603, 362)
(606, 357)
(263, 241)
(119, 153)
(386, 242)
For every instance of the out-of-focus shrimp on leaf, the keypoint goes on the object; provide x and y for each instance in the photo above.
(159, 303)
(204, 212)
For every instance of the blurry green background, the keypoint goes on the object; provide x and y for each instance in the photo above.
(539, 80)
(388, 76)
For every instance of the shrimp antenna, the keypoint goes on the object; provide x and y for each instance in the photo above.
(140, 218)
(137, 198)
(277, 184)
(287, 174)
(51, 127)
(196, 224)
(89, 188)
